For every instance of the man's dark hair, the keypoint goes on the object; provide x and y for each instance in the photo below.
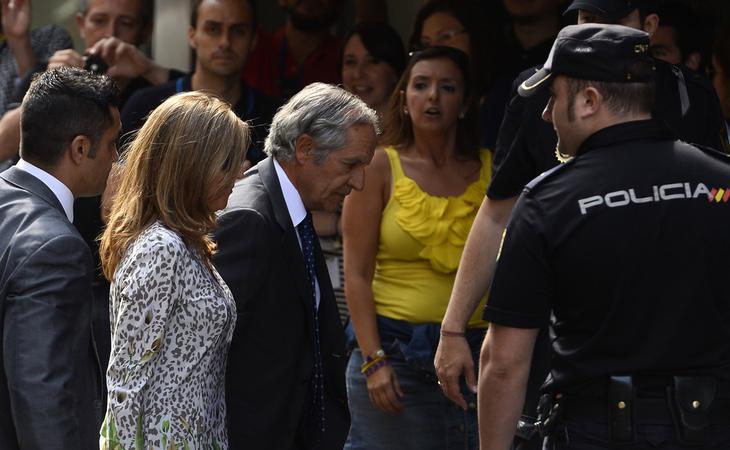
(60, 105)
(647, 7)
(252, 3)
(147, 13)
(689, 33)
(620, 98)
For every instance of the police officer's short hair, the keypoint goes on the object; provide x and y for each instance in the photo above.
(619, 98)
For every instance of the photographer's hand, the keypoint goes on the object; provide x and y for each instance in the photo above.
(68, 57)
(127, 61)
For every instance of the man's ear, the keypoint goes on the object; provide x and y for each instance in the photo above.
(303, 148)
(651, 23)
(191, 35)
(79, 149)
(693, 61)
(80, 24)
(589, 102)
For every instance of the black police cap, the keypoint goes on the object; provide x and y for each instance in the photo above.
(597, 52)
(612, 10)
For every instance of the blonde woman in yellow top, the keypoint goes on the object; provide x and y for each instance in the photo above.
(403, 238)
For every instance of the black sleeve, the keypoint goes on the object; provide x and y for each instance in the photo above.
(46, 319)
(522, 290)
(703, 122)
(525, 144)
(714, 128)
(242, 257)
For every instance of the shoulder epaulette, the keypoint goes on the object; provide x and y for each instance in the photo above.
(546, 175)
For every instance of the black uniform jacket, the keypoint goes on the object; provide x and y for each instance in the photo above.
(626, 247)
(270, 365)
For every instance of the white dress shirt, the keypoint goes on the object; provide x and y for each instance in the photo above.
(297, 211)
(60, 190)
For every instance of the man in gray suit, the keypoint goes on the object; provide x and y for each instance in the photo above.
(50, 382)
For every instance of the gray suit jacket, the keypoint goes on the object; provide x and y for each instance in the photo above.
(50, 383)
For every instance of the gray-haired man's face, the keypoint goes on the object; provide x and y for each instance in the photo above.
(323, 185)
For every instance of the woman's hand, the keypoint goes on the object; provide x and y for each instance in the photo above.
(384, 390)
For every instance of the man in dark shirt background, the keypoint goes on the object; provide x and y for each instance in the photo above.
(222, 34)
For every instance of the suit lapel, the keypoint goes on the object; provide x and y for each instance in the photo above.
(289, 241)
(28, 182)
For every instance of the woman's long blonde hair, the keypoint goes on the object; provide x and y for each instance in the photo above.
(186, 143)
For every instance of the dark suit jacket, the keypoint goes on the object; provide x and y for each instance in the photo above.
(270, 365)
(50, 384)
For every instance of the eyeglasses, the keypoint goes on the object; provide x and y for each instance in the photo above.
(442, 38)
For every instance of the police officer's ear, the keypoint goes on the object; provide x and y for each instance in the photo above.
(588, 102)
(651, 23)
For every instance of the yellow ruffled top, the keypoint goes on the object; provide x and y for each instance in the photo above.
(421, 241)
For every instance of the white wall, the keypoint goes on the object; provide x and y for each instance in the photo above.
(170, 37)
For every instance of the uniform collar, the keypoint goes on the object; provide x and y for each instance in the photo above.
(626, 132)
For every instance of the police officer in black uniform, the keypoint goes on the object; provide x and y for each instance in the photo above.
(622, 250)
(526, 147)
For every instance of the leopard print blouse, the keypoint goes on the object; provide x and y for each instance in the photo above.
(172, 319)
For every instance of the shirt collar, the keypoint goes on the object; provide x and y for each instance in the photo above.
(60, 190)
(626, 131)
(294, 204)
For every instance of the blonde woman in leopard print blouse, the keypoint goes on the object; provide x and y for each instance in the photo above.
(172, 316)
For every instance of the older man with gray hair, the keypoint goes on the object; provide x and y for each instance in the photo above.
(285, 385)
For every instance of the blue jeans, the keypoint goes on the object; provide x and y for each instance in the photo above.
(429, 421)
(584, 435)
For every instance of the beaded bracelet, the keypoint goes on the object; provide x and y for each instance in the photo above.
(371, 362)
(374, 368)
